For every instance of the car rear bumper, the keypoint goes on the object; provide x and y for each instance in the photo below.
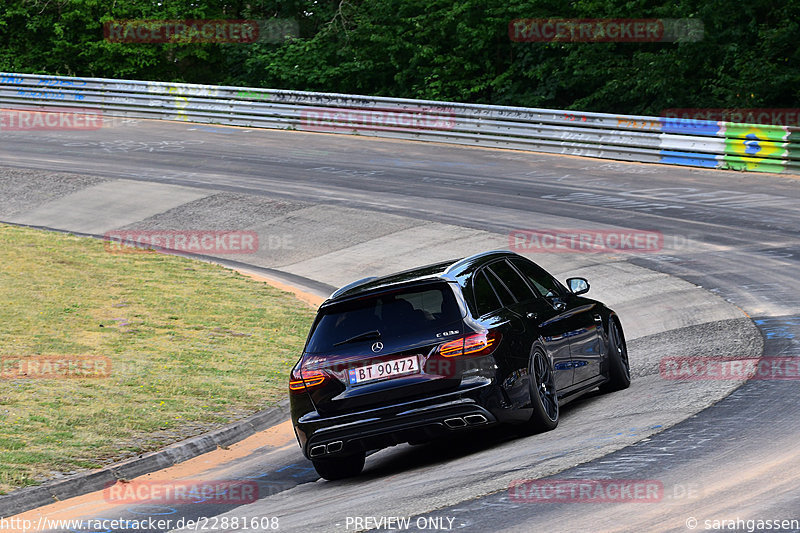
(419, 420)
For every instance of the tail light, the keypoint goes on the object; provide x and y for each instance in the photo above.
(303, 379)
(473, 345)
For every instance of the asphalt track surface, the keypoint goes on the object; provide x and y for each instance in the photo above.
(718, 453)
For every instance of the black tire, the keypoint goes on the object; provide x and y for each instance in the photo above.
(619, 369)
(544, 397)
(339, 467)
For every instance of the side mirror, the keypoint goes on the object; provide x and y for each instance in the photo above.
(578, 285)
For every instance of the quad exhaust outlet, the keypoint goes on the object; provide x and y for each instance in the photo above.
(469, 420)
(324, 449)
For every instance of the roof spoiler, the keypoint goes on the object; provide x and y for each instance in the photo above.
(349, 286)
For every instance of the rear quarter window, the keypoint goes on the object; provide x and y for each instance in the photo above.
(485, 297)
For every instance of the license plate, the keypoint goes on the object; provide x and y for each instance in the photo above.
(384, 369)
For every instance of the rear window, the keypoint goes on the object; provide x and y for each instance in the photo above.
(419, 312)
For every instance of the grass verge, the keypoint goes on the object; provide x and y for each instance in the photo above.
(190, 346)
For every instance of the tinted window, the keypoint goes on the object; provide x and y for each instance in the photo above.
(506, 298)
(415, 311)
(512, 280)
(485, 298)
(540, 280)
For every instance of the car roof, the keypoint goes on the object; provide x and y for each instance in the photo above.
(453, 270)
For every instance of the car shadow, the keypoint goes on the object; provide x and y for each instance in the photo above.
(457, 445)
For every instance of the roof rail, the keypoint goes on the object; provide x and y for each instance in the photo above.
(472, 257)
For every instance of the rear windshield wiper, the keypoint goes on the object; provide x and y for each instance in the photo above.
(367, 335)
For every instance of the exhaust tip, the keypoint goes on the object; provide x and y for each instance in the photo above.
(455, 423)
(318, 450)
(475, 419)
(335, 446)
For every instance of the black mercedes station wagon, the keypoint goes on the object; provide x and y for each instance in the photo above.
(437, 350)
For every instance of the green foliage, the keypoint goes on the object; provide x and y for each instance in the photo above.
(434, 49)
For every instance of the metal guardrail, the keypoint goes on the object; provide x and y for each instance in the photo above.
(709, 144)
